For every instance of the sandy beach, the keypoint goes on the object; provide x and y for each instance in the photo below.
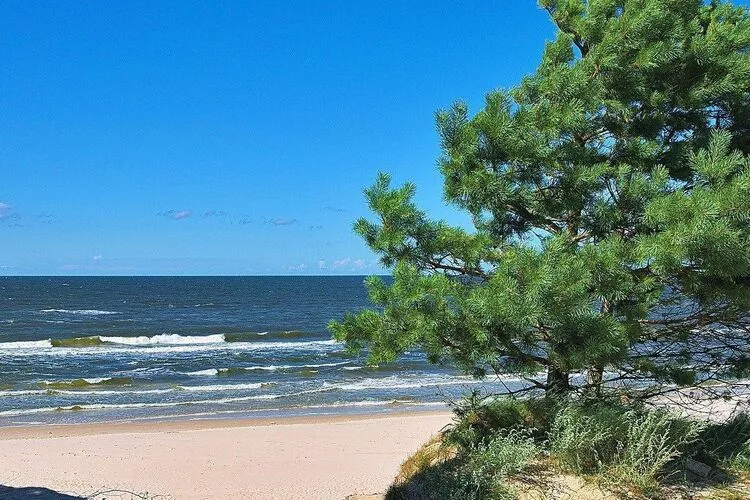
(327, 457)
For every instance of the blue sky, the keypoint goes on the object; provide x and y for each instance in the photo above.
(233, 138)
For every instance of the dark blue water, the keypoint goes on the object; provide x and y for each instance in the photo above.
(76, 349)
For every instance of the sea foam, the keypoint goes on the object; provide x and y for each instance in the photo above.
(165, 339)
(82, 312)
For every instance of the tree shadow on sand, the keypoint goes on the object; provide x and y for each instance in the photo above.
(33, 492)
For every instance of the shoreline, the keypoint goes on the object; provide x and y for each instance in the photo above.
(177, 424)
(311, 457)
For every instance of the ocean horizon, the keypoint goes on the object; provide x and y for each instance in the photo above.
(102, 349)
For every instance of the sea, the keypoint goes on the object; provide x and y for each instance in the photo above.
(109, 349)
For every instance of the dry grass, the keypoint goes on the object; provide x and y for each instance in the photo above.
(430, 454)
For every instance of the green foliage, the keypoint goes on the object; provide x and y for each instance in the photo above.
(584, 440)
(622, 445)
(608, 193)
(478, 473)
(623, 448)
(727, 443)
(478, 420)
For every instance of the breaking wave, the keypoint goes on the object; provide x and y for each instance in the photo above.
(81, 312)
(97, 343)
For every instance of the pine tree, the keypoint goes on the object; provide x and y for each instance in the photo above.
(610, 199)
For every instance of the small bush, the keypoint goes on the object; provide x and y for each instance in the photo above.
(727, 443)
(502, 457)
(480, 419)
(475, 474)
(653, 440)
(585, 438)
(623, 445)
(431, 454)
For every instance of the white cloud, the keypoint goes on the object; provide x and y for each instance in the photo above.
(280, 221)
(176, 214)
(349, 263)
(7, 214)
(214, 213)
(4, 209)
(341, 262)
(299, 268)
(181, 214)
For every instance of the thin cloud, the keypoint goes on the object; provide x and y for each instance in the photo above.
(244, 221)
(5, 210)
(298, 268)
(213, 213)
(334, 209)
(181, 214)
(176, 214)
(318, 227)
(280, 221)
(8, 215)
(349, 263)
(48, 219)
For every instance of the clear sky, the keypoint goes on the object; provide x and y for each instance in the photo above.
(235, 137)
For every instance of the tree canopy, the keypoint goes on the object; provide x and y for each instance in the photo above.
(610, 199)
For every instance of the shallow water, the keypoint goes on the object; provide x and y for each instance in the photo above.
(124, 348)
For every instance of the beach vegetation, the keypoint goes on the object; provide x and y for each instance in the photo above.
(479, 472)
(504, 446)
(610, 225)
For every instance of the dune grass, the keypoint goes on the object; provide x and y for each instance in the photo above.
(625, 450)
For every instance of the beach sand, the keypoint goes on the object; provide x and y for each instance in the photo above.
(326, 457)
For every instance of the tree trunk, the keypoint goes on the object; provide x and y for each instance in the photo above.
(594, 378)
(595, 373)
(558, 381)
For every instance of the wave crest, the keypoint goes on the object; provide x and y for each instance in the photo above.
(81, 312)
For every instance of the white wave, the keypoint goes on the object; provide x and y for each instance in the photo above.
(262, 346)
(166, 339)
(204, 373)
(26, 344)
(106, 393)
(322, 365)
(107, 406)
(114, 406)
(82, 312)
(44, 347)
(401, 383)
(352, 368)
(92, 380)
(273, 368)
(30, 392)
(218, 387)
(97, 380)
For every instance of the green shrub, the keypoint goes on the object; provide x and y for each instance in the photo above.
(479, 419)
(653, 439)
(623, 445)
(502, 457)
(586, 438)
(727, 443)
(479, 473)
